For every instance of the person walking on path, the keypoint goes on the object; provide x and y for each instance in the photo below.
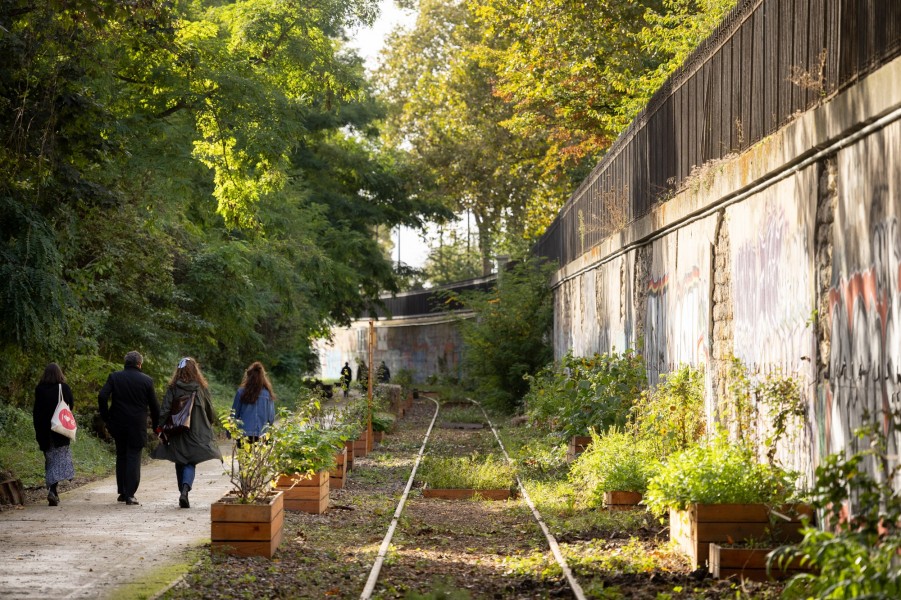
(346, 378)
(254, 403)
(58, 464)
(383, 375)
(198, 443)
(125, 416)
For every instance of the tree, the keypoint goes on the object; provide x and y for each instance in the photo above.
(510, 334)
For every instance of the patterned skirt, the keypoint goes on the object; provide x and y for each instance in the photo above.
(58, 465)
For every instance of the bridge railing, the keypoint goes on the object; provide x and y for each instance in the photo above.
(767, 61)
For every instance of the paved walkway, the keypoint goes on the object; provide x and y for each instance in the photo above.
(94, 547)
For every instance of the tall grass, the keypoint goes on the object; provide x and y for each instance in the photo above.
(468, 472)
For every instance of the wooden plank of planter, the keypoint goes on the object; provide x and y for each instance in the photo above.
(239, 548)
(622, 500)
(247, 529)
(694, 529)
(464, 494)
(338, 475)
(305, 493)
(378, 436)
(749, 563)
(349, 446)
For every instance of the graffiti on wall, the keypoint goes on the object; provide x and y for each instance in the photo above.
(865, 296)
(677, 317)
(865, 359)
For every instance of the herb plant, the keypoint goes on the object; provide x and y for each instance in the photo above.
(716, 472)
(614, 461)
(670, 417)
(253, 466)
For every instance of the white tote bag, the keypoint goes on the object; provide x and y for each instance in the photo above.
(63, 421)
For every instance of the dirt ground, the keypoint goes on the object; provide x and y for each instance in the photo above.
(91, 546)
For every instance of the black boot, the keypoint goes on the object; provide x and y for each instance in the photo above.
(52, 496)
(183, 499)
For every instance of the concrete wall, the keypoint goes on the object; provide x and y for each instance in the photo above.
(428, 346)
(787, 256)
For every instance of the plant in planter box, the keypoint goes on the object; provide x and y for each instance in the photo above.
(382, 422)
(717, 492)
(249, 520)
(488, 474)
(587, 392)
(304, 454)
(614, 462)
(670, 416)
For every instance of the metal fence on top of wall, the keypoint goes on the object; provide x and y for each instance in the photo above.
(767, 61)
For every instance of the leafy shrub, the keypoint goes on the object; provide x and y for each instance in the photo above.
(670, 417)
(716, 472)
(859, 557)
(587, 392)
(469, 472)
(382, 422)
(303, 447)
(614, 461)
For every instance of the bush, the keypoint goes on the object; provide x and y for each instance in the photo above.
(670, 417)
(615, 461)
(716, 472)
(582, 393)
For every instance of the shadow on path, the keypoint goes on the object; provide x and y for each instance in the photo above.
(94, 547)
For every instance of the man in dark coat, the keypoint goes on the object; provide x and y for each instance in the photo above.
(346, 378)
(126, 418)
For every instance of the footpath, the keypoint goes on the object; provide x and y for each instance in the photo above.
(91, 546)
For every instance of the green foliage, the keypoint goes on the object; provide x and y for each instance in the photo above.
(581, 393)
(763, 411)
(475, 472)
(508, 339)
(857, 557)
(302, 447)
(670, 417)
(716, 472)
(614, 461)
(462, 414)
(254, 466)
(383, 422)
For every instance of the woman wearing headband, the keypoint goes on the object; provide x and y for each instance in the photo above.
(196, 444)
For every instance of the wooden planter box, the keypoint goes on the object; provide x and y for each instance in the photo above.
(749, 563)
(338, 475)
(464, 494)
(700, 525)
(577, 445)
(378, 436)
(247, 529)
(622, 500)
(349, 458)
(361, 445)
(305, 493)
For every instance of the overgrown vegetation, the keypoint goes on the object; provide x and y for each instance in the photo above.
(476, 472)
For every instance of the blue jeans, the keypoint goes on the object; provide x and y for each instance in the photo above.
(185, 474)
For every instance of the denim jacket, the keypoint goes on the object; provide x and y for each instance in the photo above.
(256, 417)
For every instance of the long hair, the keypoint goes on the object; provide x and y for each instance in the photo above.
(186, 371)
(53, 374)
(255, 380)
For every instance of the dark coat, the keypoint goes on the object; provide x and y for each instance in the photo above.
(132, 396)
(46, 396)
(198, 443)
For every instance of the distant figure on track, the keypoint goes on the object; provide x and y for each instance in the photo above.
(362, 372)
(57, 454)
(132, 396)
(198, 443)
(383, 375)
(346, 378)
(254, 403)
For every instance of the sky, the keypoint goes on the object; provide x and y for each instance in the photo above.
(369, 41)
